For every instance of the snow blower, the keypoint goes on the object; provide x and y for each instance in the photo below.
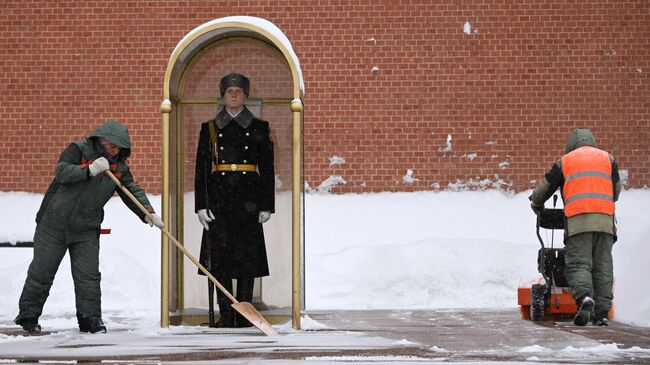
(550, 296)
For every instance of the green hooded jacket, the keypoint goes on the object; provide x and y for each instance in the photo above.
(554, 179)
(75, 199)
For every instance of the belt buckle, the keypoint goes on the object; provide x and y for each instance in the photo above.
(233, 167)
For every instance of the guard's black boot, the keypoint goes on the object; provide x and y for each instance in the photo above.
(244, 294)
(242, 321)
(211, 322)
(92, 325)
(29, 324)
(600, 319)
(226, 312)
(584, 313)
(226, 320)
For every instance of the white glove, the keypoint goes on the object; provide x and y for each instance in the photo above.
(155, 221)
(205, 217)
(98, 166)
(264, 216)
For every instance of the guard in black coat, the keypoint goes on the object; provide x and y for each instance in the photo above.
(234, 195)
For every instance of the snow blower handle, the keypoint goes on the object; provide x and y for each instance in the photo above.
(553, 230)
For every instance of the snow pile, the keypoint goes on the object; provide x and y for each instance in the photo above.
(377, 251)
(332, 181)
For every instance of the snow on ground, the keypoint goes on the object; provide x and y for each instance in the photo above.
(415, 250)
(420, 250)
(449, 250)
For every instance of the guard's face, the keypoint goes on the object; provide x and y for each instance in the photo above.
(234, 97)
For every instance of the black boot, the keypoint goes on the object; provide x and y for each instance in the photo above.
(92, 325)
(600, 319)
(226, 312)
(226, 318)
(584, 313)
(211, 304)
(29, 324)
(244, 294)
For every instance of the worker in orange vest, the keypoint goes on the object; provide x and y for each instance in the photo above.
(590, 185)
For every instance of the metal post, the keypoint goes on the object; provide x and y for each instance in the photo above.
(296, 109)
(165, 109)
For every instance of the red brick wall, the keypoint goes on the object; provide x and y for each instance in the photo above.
(510, 92)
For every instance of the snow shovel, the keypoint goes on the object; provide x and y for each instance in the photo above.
(244, 308)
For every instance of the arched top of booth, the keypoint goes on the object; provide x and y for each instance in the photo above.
(232, 26)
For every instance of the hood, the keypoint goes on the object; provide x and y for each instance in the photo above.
(116, 133)
(580, 137)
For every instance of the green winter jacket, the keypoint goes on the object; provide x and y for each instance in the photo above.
(75, 200)
(554, 179)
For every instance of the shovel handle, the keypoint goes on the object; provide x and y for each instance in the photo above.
(169, 235)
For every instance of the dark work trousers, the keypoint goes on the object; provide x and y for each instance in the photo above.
(244, 294)
(50, 245)
(589, 268)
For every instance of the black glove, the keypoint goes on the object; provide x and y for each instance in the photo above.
(537, 209)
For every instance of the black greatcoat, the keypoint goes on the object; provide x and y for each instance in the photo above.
(235, 197)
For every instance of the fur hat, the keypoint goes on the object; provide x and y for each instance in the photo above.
(234, 79)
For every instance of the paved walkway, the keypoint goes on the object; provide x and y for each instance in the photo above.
(473, 335)
(351, 336)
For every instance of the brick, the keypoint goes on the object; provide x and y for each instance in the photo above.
(530, 73)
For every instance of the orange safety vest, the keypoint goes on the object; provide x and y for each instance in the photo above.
(588, 186)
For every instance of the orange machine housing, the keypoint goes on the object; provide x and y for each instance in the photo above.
(562, 304)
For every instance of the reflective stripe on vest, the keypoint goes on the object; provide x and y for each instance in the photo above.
(588, 184)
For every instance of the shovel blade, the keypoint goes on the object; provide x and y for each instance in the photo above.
(249, 312)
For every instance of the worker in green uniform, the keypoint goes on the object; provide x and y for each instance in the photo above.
(69, 219)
